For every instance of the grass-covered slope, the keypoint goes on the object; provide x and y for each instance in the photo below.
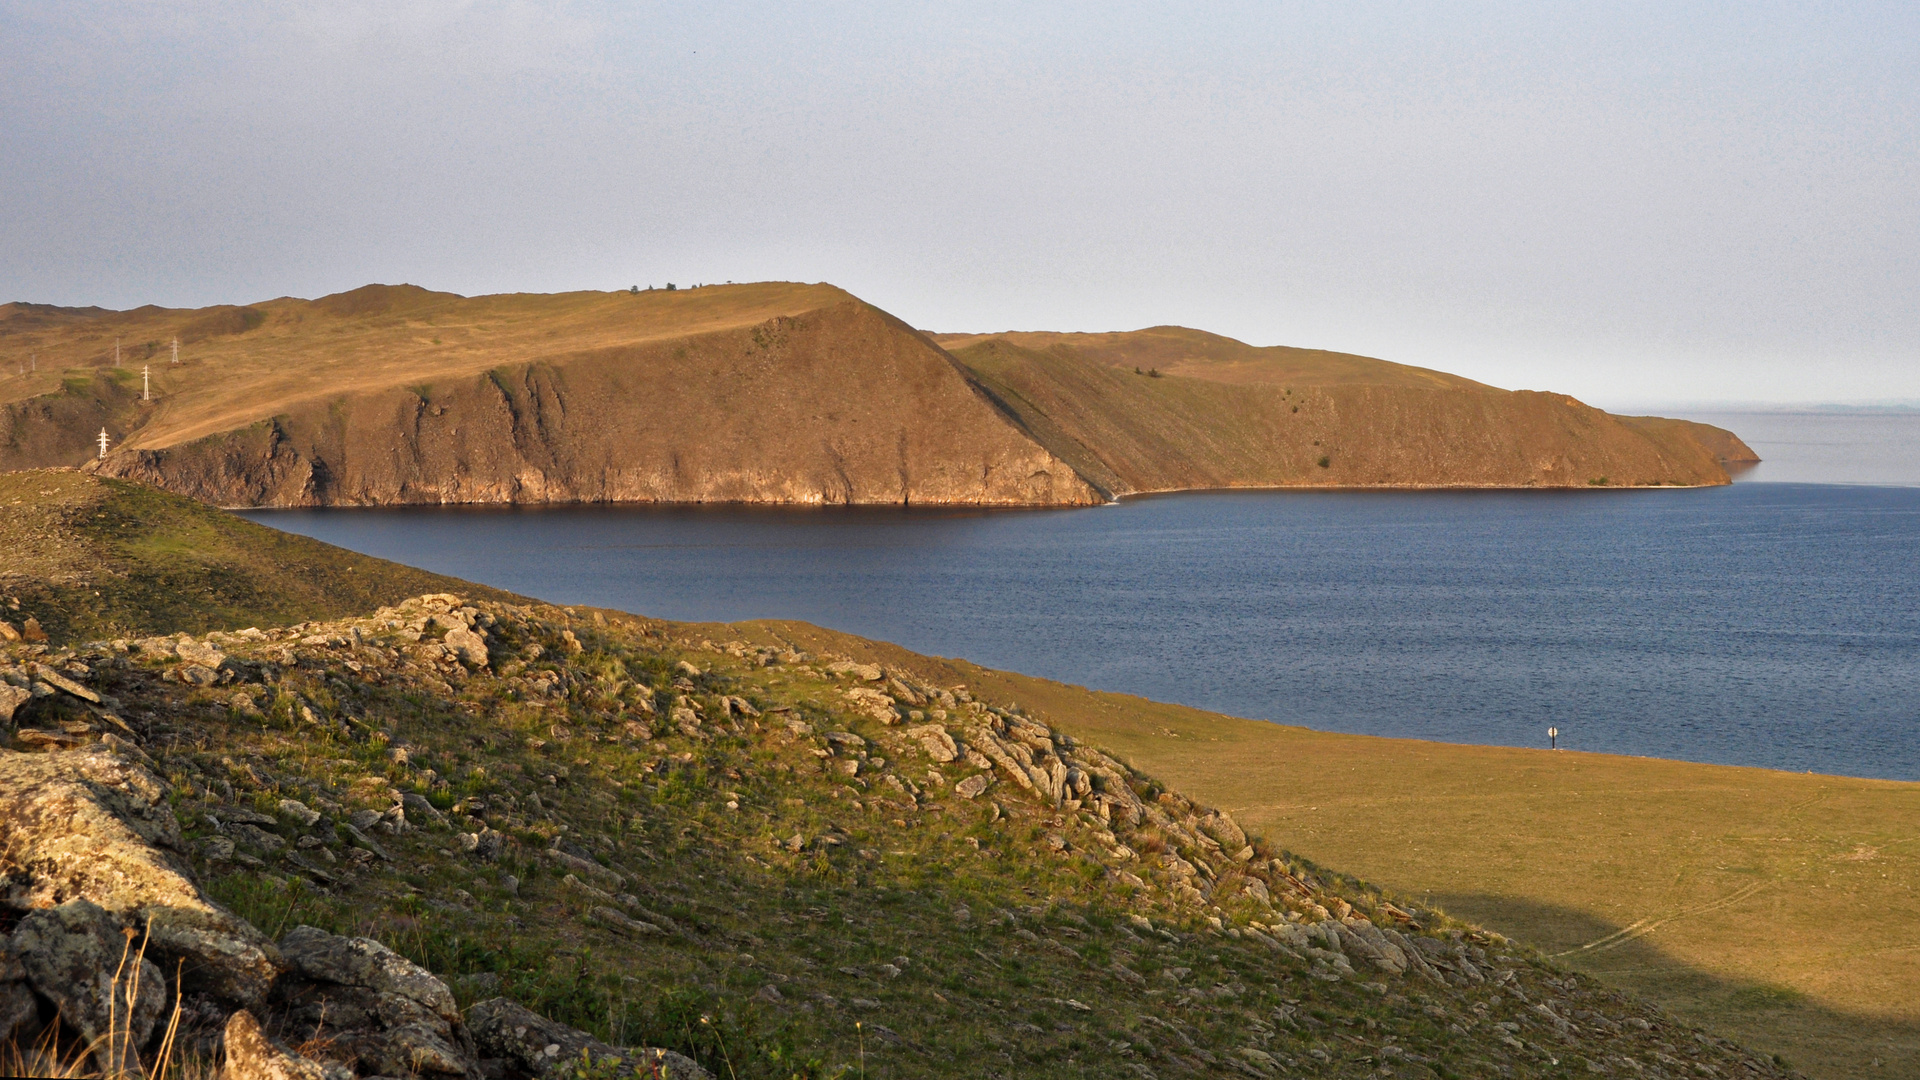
(1169, 409)
(86, 557)
(790, 864)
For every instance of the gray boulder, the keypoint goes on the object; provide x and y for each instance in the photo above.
(974, 785)
(934, 739)
(422, 810)
(1362, 940)
(467, 646)
(386, 1014)
(92, 824)
(195, 652)
(510, 1031)
(76, 957)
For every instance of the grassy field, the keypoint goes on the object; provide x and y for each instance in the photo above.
(1776, 907)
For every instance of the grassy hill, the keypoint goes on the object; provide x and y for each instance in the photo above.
(392, 394)
(770, 392)
(92, 558)
(1170, 408)
(761, 851)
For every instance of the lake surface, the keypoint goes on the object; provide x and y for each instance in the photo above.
(1772, 624)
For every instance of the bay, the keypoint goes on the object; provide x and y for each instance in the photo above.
(1769, 624)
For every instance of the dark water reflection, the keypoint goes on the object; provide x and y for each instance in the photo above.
(1764, 624)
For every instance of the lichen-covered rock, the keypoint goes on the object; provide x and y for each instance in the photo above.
(92, 824)
(252, 1056)
(973, 786)
(935, 741)
(508, 1030)
(467, 646)
(76, 957)
(194, 652)
(1361, 940)
(386, 1014)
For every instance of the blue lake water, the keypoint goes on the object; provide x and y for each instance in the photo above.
(1773, 624)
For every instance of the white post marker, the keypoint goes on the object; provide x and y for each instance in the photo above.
(116, 352)
(103, 442)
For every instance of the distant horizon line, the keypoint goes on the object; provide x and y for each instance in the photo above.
(1875, 407)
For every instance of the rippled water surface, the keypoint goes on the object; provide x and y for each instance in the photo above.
(1764, 624)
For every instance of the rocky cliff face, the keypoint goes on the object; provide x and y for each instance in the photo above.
(840, 406)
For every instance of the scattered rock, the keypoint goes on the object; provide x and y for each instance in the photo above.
(468, 647)
(386, 1014)
(935, 740)
(364, 842)
(194, 652)
(36, 739)
(973, 786)
(510, 1031)
(588, 869)
(295, 810)
(420, 808)
(255, 838)
(60, 682)
(619, 921)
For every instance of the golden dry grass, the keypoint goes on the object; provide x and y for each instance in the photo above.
(1196, 354)
(240, 365)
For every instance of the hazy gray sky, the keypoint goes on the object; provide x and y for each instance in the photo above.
(1628, 202)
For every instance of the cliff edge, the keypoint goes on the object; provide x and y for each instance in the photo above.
(763, 393)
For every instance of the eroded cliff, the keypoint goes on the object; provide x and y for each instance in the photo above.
(768, 393)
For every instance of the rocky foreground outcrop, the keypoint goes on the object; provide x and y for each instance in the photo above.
(113, 945)
(867, 863)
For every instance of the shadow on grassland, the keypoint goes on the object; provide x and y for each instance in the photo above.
(1811, 1037)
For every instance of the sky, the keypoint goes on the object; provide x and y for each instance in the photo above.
(1636, 203)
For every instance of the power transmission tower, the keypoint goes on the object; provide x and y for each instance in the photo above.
(116, 352)
(176, 350)
(146, 385)
(103, 442)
